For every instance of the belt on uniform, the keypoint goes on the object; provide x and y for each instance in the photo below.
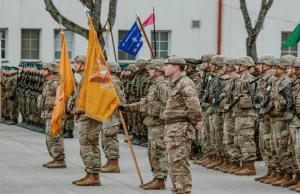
(177, 120)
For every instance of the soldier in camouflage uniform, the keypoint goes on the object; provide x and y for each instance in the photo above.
(5, 113)
(20, 92)
(244, 115)
(55, 145)
(182, 114)
(89, 131)
(11, 96)
(109, 130)
(280, 116)
(264, 86)
(153, 105)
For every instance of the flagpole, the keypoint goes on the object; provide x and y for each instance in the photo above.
(154, 32)
(145, 35)
(112, 38)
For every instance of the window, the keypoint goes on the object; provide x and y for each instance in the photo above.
(162, 43)
(30, 44)
(57, 43)
(3, 43)
(195, 23)
(122, 55)
(291, 50)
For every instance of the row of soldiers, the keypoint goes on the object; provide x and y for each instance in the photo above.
(238, 96)
(21, 88)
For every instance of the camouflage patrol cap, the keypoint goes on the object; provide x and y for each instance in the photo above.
(113, 67)
(193, 61)
(266, 59)
(245, 61)
(217, 60)
(141, 63)
(175, 60)
(230, 61)
(51, 66)
(297, 62)
(131, 67)
(80, 58)
(157, 64)
(207, 57)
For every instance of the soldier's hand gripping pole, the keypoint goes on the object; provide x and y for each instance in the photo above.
(130, 146)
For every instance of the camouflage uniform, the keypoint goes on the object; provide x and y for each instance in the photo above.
(10, 95)
(55, 145)
(182, 113)
(5, 112)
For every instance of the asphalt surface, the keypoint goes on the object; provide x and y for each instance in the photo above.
(22, 153)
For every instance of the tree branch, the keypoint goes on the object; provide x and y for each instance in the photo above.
(96, 15)
(50, 7)
(112, 12)
(265, 6)
(246, 16)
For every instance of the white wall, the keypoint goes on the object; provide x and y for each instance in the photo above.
(171, 15)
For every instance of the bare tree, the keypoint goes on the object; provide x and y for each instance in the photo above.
(254, 31)
(95, 7)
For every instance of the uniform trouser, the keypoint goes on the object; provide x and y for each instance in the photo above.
(134, 118)
(265, 140)
(292, 145)
(55, 145)
(157, 151)
(179, 167)
(206, 143)
(5, 107)
(216, 132)
(68, 122)
(89, 130)
(297, 147)
(281, 138)
(27, 108)
(32, 109)
(229, 132)
(110, 143)
(21, 107)
(244, 127)
(13, 109)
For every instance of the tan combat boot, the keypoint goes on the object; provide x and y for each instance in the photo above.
(272, 176)
(157, 184)
(279, 177)
(210, 160)
(45, 164)
(224, 165)
(112, 167)
(265, 176)
(76, 181)
(220, 163)
(227, 168)
(57, 164)
(294, 187)
(292, 182)
(92, 180)
(241, 167)
(106, 164)
(234, 167)
(287, 177)
(248, 170)
(214, 164)
(200, 160)
(141, 186)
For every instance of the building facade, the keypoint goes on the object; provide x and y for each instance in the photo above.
(186, 28)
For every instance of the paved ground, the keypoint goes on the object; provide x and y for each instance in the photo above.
(22, 153)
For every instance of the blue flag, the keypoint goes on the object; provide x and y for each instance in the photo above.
(132, 42)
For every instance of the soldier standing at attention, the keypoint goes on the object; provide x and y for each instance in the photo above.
(182, 114)
(55, 145)
(89, 130)
(11, 86)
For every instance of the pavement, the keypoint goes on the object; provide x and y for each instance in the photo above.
(22, 153)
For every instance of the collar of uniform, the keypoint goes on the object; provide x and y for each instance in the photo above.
(54, 79)
(175, 79)
(156, 81)
(267, 76)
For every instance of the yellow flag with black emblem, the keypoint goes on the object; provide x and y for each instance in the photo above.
(66, 83)
(98, 97)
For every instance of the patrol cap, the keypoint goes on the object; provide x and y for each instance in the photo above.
(230, 61)
(51, 66)
(207, 57)
(217, 60)
(245, 61)
(175, 60)
(266, 59)
(141, 63)
(131, 67)
(113, 67)
(157, 64)
(80, 58)
(193, 61)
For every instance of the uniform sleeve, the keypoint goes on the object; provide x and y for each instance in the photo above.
(134, 107)
(120, 93)
(191, 100)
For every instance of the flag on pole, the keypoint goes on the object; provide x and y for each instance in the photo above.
(149, 21)
(66, 86)
(98, 97)
(293, 38)
(132, 42)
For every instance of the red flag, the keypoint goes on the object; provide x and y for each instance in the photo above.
(149, 21)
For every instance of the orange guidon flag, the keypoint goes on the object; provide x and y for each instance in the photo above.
(98, 97)
(66, 85)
